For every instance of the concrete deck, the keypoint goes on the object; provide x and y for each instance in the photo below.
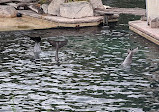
(133, 11)
(24, 23)
(141, 28)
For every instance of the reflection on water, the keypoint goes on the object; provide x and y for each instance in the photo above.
(89, 78)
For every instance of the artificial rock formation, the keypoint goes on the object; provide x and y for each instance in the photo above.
(154, 23)
(75, 10)
(7, 11)
(97, 4)
(26, 1)
(45, 8)
(54, 7)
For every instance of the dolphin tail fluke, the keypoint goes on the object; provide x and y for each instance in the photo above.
(53, 43)
(60, 43)
(135, 50)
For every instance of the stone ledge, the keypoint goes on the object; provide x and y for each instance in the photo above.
(62, 19)
(30, 13)
(73, 21)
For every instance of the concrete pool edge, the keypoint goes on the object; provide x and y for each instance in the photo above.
(141, 28)
(31, 20)
(31, 23)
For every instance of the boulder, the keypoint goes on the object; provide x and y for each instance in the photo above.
(76, 10)
(13, 4)
(36, 8)
(7, 11)
(97, 4)
(54, 7)
(26, 1)
(45, 8)
(154, 23)
(6, 1)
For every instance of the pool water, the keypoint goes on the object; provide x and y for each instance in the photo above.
(89, 77)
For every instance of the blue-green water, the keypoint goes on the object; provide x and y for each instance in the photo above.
(89, 78)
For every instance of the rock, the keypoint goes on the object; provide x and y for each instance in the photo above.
(107, 7)
(36, 8)
(26, 1)
(19, 14)
(143, 18)
(76, 10)
(154, 23)
(97, 4)
(54, 7)
(30, 13)
(7, 11)
(23, 6)
(45, 8)
(5, 1)
(13, 4)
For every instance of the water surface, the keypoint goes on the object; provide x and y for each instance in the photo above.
(89, 78)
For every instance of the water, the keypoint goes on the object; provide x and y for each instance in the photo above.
(89, 78)
(125, 3)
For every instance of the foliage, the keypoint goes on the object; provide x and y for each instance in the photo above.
(44, 1)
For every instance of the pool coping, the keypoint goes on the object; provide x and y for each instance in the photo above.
(141, 28)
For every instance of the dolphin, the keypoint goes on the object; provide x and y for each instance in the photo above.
(58, 44)
(128, 60)
(37, 49)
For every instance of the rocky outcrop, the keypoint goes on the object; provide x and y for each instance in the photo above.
(7, 11)
(54, 7)
(97, 4)
(26, 1)
(76, 10)
(5, 1)
(36, 8)
(45, 8)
